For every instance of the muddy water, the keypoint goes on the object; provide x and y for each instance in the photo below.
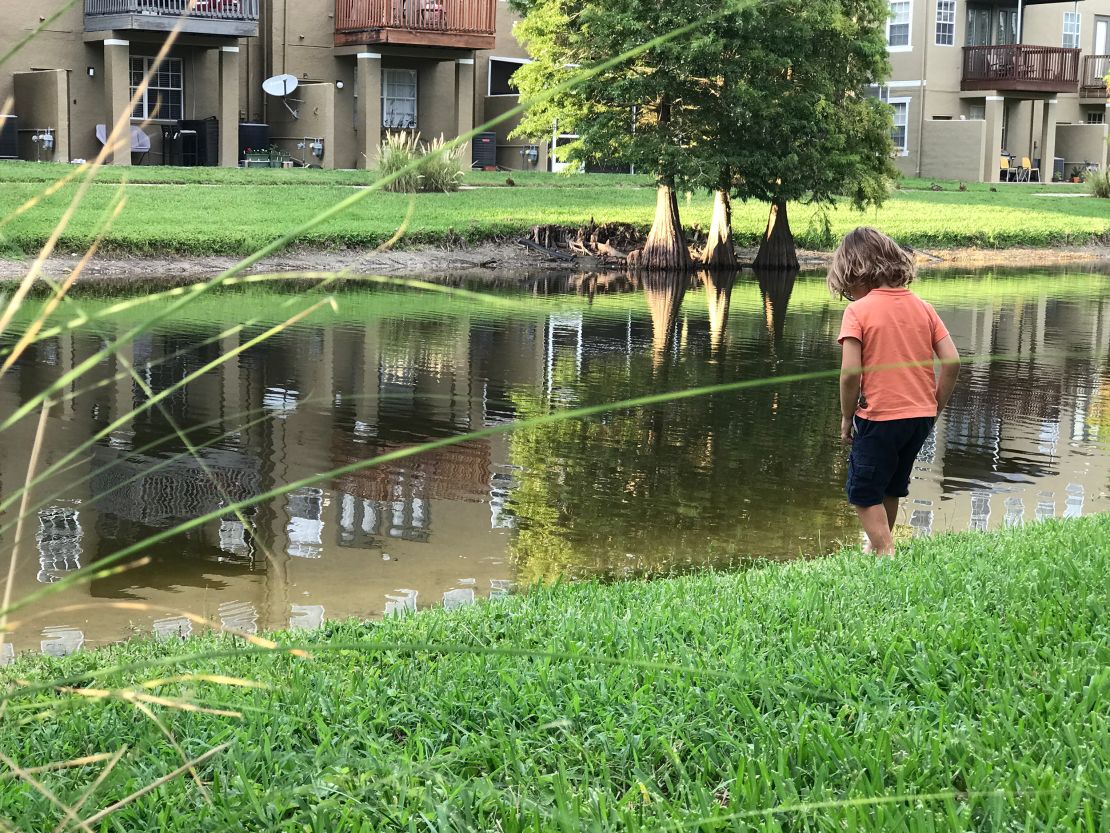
(706, 481)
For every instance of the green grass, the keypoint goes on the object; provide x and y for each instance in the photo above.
(240, 215)
(970, 671)
(41, 173)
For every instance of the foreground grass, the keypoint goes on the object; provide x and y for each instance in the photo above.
(241, 215)
(960, 686)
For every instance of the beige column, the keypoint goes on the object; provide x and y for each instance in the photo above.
(117, 95)
(370, 107)
(229, 106)
(995, 106)
(464, 103)
(1048, 139)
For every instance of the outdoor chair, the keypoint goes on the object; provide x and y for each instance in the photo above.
(1005, 172)
(1026, 171)
(140, 142)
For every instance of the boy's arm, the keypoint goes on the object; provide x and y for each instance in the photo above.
(949, 369)
(851, 367)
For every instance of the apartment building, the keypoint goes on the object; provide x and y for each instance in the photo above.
(363, 68)
(972, 82)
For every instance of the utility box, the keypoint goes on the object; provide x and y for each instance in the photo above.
(9, 137)
(485, 151)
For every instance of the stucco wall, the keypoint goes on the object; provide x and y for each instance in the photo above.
(1079, 143)
(953, 149)
(316, 119)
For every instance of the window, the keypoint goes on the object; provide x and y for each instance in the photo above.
(501, 75)
(898, 135)
(399, 99)
(898, 26)
(946, 22)
(164, 95)
(1071, 30)
(977, 112)
(1096, 117)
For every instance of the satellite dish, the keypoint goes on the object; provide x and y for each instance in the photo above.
(281, 86)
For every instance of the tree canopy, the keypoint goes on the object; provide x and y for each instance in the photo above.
(765, 100)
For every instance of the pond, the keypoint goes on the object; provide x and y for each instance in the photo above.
(713, 480)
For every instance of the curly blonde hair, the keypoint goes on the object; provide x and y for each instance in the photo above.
(866, 259)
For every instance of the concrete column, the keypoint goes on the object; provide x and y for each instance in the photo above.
(1048, 139)
(995, 106)
(369, 107)
(464, 103)
(117, 95)
(229, 106)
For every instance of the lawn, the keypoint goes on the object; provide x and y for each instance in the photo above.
(238, 211)
(959, 686)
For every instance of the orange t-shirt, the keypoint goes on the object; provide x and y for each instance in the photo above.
(895, 327)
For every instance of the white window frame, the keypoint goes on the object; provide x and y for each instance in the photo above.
(489, 75)
(1077, 19)
(908, 45)
(388, 73)
(147, 103)
(947, 8)
(905, 149)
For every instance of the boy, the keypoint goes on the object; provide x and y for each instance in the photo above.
(889, 396)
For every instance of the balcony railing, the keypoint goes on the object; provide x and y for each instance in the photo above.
(238, 18)
(467, 24)
(1095, 70)
(1021, 68)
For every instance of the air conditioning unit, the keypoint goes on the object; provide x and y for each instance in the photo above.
(485, 151)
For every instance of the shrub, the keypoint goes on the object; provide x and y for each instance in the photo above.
(1098, 182)
(440, 169)
(397, 151)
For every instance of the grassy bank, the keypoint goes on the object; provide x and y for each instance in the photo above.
(237, 211)
(960, 686)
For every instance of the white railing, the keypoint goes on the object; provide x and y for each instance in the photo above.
(207, 9)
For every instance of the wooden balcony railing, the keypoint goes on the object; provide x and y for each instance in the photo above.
(1095, 70)
(218, 17)
(211, 9)
(468, 24)
(1021, 67)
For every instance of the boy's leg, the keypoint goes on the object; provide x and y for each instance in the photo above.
(870, 469)
(890, 504)
(874, 520)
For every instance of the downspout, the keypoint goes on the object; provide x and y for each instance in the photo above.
(921, 89)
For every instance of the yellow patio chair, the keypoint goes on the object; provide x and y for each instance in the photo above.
(1004, 172)
(1027, 170)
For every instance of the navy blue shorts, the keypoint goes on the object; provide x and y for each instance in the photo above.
(882, 458)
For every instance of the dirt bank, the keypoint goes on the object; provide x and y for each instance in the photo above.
(494, 260)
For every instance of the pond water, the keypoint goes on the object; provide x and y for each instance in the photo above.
(712, 480)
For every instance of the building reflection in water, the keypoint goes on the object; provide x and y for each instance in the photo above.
(61, 641)
(306, 617)
(173, 627)
(7, 654)
(59, 542)
(921, 518)
(980, 511)
(240, 617)
(1073, 503)
(1015, 512)
(305, 530)
(400, 603)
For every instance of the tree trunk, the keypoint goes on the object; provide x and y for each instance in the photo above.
(777, 251)
(665, 248)
(719, 253)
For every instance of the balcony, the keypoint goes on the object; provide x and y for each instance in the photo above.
(1095, 70)
(1021, 68)
(460, 24)
(231, 18)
